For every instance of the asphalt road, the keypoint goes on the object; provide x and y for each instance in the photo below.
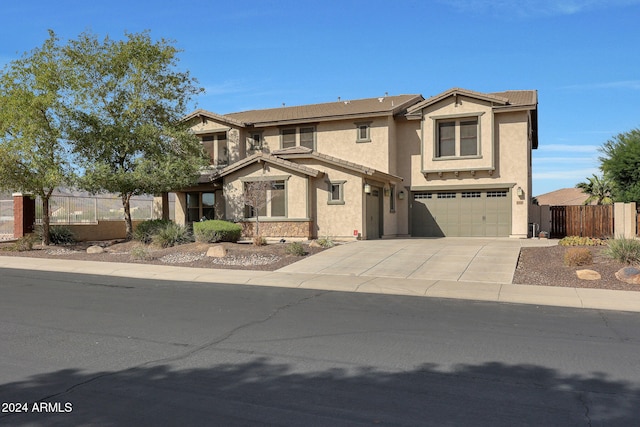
(95, 350)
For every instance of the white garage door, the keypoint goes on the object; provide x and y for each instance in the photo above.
(464, 213)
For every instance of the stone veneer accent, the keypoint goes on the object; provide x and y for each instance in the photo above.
(278, 229)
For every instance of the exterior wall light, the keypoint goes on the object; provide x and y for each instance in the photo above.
(401, 195)
(520, 192)
(367, 189)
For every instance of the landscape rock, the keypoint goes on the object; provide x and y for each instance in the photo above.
(95, 250)
(315, 244)
(216, 251)
(629, 275)
(588, 275)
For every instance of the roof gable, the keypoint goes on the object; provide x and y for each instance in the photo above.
(267, 158)
(500, 100)
(306, 153)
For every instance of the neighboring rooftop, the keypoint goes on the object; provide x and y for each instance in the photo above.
(563, 197)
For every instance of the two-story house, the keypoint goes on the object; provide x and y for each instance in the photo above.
(455, 164)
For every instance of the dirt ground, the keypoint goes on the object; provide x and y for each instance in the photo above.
(545, 266)
(536, 266)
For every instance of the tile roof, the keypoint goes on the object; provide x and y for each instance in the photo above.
(519, 98)
(563, 197)
(265, 158)
(507, 99)
(306, 153)
(304, 113)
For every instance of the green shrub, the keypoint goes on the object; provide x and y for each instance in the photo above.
(577, 256)
(624, 250)
(145, 231)
(215, 230)
(172, 235)
(326, 242)
(295, 248)
(581, 241)
(58, 235)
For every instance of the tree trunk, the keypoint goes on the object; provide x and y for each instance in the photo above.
(126, 204)
(46, 229)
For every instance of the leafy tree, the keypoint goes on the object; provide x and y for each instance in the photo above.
(126, 127)
(33, 155)
(621, 163)
(598, 189)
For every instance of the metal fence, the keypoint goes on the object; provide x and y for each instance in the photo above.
(6, 219)
(91, 209)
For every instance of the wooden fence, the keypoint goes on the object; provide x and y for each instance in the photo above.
(585, 221)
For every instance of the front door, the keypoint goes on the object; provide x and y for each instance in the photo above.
(373, 214)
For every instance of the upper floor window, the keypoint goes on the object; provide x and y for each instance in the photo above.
(303, 137)
(457, 138)
(364, 132)
(254, 142)
(216, 148)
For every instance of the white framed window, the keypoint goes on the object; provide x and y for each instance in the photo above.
(457, 137)
(304, 136)
(336, 192)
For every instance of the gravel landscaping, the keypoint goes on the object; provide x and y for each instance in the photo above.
(541, 266)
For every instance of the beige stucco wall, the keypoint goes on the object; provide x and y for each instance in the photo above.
(103, 230)
(446, 109)
(296, 185)
(511, 159)
(336, 220)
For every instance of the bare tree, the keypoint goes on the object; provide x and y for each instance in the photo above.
(256, 197)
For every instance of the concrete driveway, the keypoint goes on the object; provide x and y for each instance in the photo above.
(451, 258)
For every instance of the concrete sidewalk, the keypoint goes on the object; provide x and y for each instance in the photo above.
(436, 288)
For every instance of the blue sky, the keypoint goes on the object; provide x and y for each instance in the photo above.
(583, 56)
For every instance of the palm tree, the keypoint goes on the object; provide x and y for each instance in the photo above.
(598, 188)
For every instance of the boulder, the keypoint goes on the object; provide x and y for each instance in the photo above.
(217, 251)
(95, 250)
(588, 275)
(629, 275)
(315, 244)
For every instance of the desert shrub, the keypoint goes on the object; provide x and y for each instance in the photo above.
(326, 242)
(23, 244)
(577, 256)
(58, 235)
(295, 248)
(215, 230)
(624, 250)
(171, 235)
(140, 252)
(259, 241)
(581, 241)
(145, 231)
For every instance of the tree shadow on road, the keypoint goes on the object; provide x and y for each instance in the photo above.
(262, 391)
